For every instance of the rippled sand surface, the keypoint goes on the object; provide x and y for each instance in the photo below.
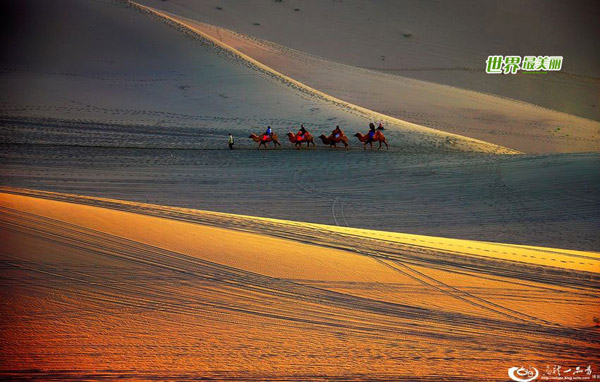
(98, 288)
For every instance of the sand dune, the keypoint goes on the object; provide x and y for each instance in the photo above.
(134, 245)
(441, 42)
(180, 292)
(133, 85)
(409, 129)
(119, 119)
(506, 122)
(531, 200)
(144, 122)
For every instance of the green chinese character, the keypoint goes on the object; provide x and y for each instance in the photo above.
(555, 63)
(541, 63)
(494, 64)
(528, 63)
(512, 64)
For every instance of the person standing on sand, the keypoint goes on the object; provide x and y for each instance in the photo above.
(230, 141)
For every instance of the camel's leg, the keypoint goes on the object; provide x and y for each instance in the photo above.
(379, 145)
(386, 145)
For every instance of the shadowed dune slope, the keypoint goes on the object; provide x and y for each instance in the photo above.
(436, 41)
(507, 122)
(117, 103)
(110, 63)
(187, 292)
(548, 201)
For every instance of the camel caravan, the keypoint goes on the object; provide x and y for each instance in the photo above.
(336, 136)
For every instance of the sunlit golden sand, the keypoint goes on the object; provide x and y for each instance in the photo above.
(105, 286)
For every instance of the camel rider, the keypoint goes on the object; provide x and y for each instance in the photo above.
(268, 132)
(301, 133)
(380, 127)
(371, 131)
(336, 132)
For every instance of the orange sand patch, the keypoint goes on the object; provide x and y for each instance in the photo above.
(91, 292)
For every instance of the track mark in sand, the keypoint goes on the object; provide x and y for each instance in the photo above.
(333, 212)
(459, 294)
(125, 271)
(422, 249)
(344, 222)
(215, 284)
(343, 214)
(449, 290)
(227, 281)
(335, 201)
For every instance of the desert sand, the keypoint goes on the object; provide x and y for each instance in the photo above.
(134, 245)
(180, 297)
(435, 77)
(225, 96)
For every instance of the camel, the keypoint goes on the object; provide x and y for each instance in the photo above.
(377, 137)
(307, 138)
(331, 141)
(264, 139)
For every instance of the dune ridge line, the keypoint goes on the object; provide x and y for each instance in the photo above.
(466, 143)
(371, 241)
